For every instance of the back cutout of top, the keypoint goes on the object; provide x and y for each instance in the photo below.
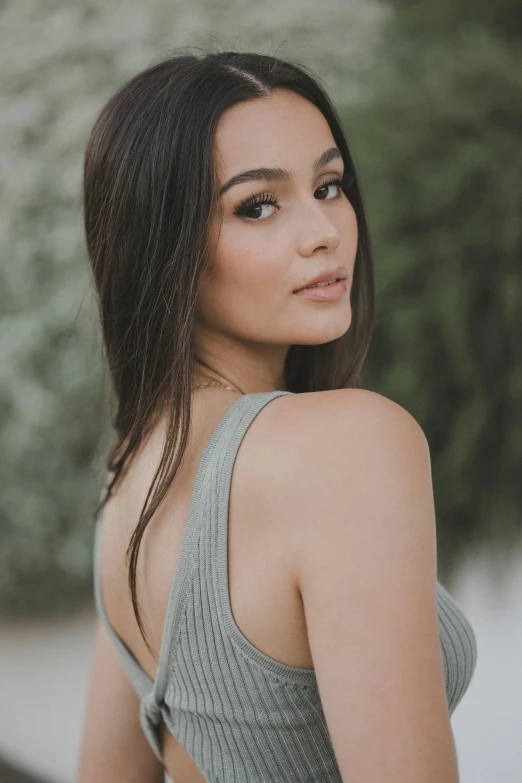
(240, 714)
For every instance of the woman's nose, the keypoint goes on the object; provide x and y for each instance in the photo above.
(317, 229)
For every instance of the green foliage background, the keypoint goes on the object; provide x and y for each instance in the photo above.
(437, 140)
(60, 63)
(430, 104)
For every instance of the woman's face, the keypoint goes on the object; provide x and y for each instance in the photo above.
(264, 252)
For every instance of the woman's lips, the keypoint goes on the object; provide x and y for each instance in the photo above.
(324, 293)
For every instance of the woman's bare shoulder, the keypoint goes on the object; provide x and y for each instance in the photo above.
(334, 421)
(318, 450)
(331, 448)
(351, 478)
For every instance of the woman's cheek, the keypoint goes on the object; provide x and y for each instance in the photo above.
(252, 273)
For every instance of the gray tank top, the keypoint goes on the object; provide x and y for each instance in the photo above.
(240, 714)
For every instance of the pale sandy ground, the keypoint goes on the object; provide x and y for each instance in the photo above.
(44, 672)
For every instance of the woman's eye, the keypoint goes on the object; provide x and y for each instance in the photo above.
(337, 182)
(254, 204)
(255, 212)
(252, 208)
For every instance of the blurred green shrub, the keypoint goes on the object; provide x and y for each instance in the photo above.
(435, 135)
(436, 138)
(432, 19)
(60, 62)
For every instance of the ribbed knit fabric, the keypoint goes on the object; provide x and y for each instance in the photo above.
(240, 714)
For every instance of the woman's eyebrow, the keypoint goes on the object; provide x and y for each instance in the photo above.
(271, 175)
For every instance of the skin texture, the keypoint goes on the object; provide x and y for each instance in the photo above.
(114, 746)
(247, 320)
(248, 316)
(331, 505)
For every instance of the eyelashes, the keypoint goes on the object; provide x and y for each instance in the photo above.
(255, 201)
(344, 183)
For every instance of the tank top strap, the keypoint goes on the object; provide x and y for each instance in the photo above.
(209, 499)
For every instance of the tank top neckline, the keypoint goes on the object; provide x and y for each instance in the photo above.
(155, 689)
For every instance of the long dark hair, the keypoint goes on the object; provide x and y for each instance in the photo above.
(149, 192)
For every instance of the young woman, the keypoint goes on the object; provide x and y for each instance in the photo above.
(283, 621)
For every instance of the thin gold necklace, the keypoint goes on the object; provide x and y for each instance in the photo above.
(215, 383)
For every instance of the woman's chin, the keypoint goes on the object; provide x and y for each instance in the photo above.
(323, 332)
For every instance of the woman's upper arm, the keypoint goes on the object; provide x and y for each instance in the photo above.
(367, 572)
(114, 747)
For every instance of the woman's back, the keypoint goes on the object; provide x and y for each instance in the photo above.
(267, 545)
(263, 594)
